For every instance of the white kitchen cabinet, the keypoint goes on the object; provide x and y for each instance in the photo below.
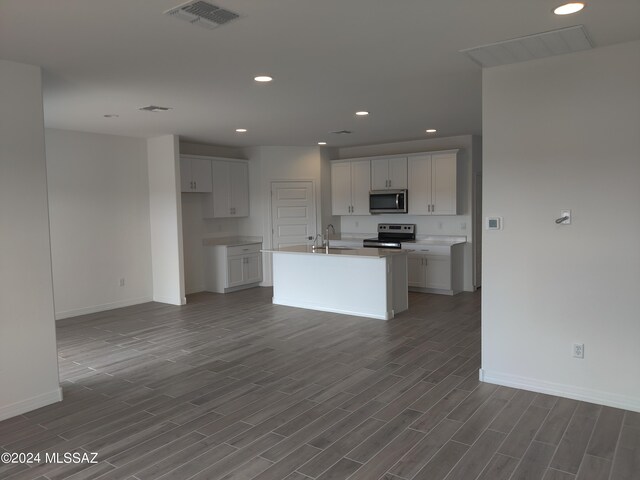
(195, 175)
(433, 184)
(230, 197)
(389, 173)
(435, 269)
(229, 268)
(350, 187)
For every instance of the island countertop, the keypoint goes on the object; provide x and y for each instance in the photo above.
(339, 251)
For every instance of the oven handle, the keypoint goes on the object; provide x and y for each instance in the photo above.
(397, 201)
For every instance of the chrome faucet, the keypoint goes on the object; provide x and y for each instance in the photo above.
(326, 238)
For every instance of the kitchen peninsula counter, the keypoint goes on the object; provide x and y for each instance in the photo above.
(367, 282)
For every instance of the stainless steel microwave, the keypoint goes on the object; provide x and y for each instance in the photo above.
(388, 201)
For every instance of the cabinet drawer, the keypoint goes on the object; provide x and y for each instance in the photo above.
(424, 249)
(243, 249)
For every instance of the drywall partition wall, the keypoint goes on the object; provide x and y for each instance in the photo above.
(470, 161)
(99, 215)
(271, 164)
(166, 220)
(28, 356)
(562, 133)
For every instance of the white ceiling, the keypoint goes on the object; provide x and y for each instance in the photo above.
(399, 59)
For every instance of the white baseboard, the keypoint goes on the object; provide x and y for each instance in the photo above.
(322, 308)
(561, 390)
(29, 404)
(171, 300)
(102, 308)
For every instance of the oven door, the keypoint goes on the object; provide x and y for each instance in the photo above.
(388, 201)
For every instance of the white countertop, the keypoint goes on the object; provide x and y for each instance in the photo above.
(435, 240)
(230, 241)
(342, 252)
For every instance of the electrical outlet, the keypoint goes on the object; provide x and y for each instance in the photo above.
(357, 224)
(463, 225)
(578, 350)
(122, 282)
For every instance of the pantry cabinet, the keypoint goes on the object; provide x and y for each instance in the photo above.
(350, 184)
(195, 175)
(433, 184)
(230, 196)
(389, 173)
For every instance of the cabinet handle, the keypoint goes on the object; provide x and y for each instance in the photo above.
(195, 185)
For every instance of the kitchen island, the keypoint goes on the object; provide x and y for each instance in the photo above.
(366, 282)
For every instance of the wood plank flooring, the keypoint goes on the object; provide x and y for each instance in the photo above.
(232, 387)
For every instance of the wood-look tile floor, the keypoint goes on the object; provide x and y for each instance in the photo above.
(232, 387)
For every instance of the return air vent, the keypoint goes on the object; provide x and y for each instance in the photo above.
(342, 132)
(203, 14)
(154, 108)
(531, 47)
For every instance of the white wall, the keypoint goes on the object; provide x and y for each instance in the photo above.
(559, 133)
(99, 215)
(270, 164)
(470, 160)
(166, 220)
(28, 355)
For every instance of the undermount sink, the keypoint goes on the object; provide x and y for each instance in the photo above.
(331, 249)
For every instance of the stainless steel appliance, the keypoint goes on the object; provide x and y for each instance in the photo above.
(391, 235)
(388, 201)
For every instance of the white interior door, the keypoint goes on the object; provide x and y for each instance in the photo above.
(293, 213)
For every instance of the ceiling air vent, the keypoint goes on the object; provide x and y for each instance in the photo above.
(154, 108)
(342, 132)
(531, 47)
(203, 14)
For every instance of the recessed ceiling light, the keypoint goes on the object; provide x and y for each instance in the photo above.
(263, 78)
(111, 115)
(322, 143)
(241, 130)
(362, 113)
(431, 130)
(569, 8)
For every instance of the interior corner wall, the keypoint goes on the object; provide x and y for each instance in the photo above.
(99, 216)
(28, 353)
(272, 164)
(165, 212)
(562, 133)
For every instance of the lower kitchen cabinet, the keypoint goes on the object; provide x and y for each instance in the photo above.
(435, 270)
(230, 268)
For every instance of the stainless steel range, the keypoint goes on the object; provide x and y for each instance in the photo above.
(391, 235)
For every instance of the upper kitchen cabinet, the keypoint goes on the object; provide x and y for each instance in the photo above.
(389, 173)
(350, 187)
(230, 197)
(195, 174)
(433, 184)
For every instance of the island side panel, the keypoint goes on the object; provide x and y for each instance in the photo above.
(340, 284)
(399, 285)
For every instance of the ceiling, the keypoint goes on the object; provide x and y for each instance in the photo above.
(397, 59)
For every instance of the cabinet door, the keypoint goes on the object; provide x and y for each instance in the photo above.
(438, 272)
(239, 189)
(379, 174)
(235, 271)
(416, 271)
(221, 197)
(397, 173)
(419, 185)
(360, 186)
(201, 175)
(252, 268)
(341, 188)
(186, 183)
(444, 187)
